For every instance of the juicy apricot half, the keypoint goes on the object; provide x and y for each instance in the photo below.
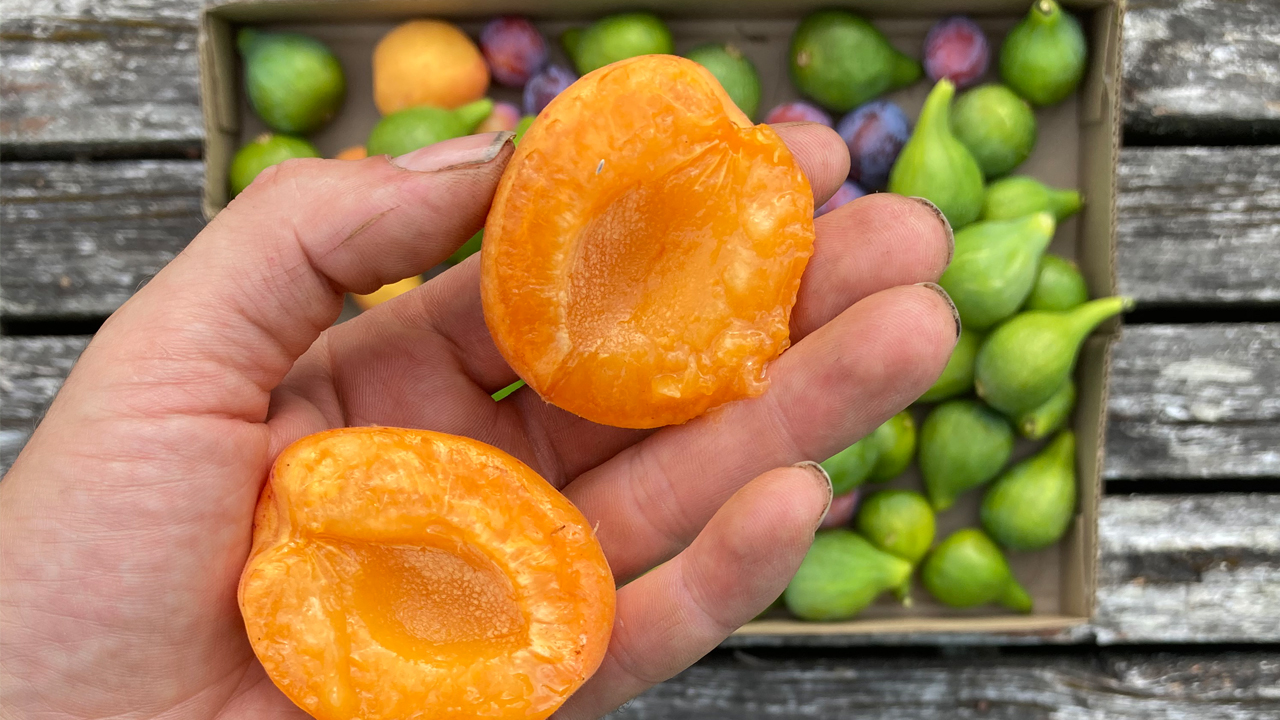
(645, 247)
(411, 574)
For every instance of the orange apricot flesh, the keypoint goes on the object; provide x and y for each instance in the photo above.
(399, 574)
(645, 247)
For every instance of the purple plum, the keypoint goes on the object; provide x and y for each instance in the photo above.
(798, 111)
(841, 510)
(847, 193)
(875, 134)
(545, 86)
(956, 49)
(514, 49)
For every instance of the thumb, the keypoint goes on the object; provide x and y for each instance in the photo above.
(256, 288)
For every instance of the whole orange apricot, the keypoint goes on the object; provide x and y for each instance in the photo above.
(427, 62)
(399, 574)
(355, 152)
(645, 247)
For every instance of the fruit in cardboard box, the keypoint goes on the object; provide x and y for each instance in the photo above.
(514, 49)
(901, 523)
(735, 72)
(1059, 286)
(935, 165)
(405, 573)
(1050, 417)
(617, 37)
(897, 441)
(1031, 505)
(967, 569)
(875, 134)
(417, 127)
(504, 116)
(427, 62)
(543, 87)
(963, 444)
(957, 376)
(1019, 195)
(798, 111)
(956, 49)
(261, 153)
(1043, 56)
(995, 266)
(842, 61)
(841, 575)
(294, 82)
(997, 126)
(851, 467)
(638, 273)
(845, 194)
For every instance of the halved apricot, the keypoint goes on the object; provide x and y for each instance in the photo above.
(411, 574)
(645, 247)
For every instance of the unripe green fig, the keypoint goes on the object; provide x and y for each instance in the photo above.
(1050, 417)
(936, 166)
(1023, 362)
(1059, 286)
(1043, 56)
(963, 444)
(417, 127)
(842, 61)
(994, 267)
(735, 71)
(1019, 196)
(294, 82)
(997, 126)
(1029, 507)
(967, 569)
(897, 441)
(261, 153)
(617, 37)
(901, 523)
(957, 376)
(841, 575)
(851, 467)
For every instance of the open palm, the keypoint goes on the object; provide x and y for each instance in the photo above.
(126, 520)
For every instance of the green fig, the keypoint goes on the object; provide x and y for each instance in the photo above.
(851, 467)
(618, 37)
(261, 153)
(957, 376)
(417, 127)
(1043, 56)
(1023, 362)
(935, 165)
(994, 266)
(967, 569)
(1030, 506)
(963, 444)
(898, 522)
(1059, 286)
(522, 127)
(997, 126)
(897, 441)
(469, 248)
(841, 575)
(1018, 196)
(735, 72)
(1050, 417)
(842, 61)
(294, 82)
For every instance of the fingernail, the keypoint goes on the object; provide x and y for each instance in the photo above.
(955, 314)
(946, 225)
(455, 153)
(821, 477)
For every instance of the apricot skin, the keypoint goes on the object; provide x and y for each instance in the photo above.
(411, 574)
(645, 247)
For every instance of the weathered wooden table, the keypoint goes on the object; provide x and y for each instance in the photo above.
(100, 184)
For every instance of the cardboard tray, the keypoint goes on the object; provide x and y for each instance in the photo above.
(1078, 145)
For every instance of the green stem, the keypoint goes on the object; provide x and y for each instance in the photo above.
(906, 70)
(1091, 314)
(1065, 203)
(935, 116)
(1015, 597)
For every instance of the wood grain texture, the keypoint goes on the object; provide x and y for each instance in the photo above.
(31, 372)
(1195, 401)
(80, 238)
(1199, 225)
(120, 76)
(101, 78)
(989, 685)
(1205, 70)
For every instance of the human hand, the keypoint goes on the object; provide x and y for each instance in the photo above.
(126, 520)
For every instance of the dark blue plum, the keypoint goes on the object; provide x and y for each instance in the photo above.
(847, 193)
(875, 134)
(514, 49)
(956, 49)
(545, 86)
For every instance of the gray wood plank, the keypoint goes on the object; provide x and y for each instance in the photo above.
(115, 77)
(31, 372)
(1196, 225)
(120, 76)
(1172, 568)
(988, 685)
(1201, 69)
(80, 238)
(1195, 401)
(1199, 224)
